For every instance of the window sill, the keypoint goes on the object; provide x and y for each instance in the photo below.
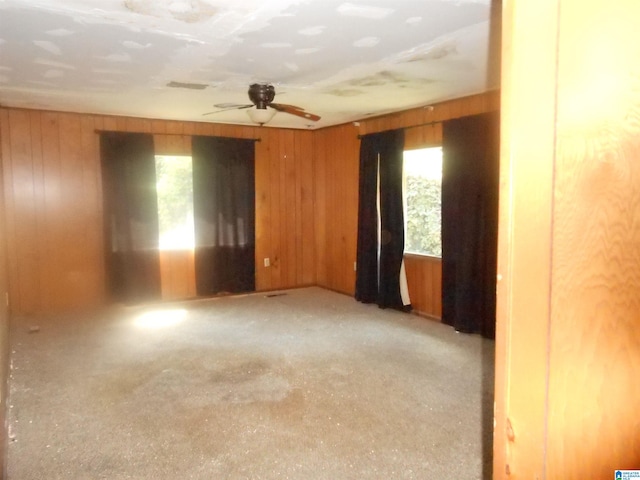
(422, 256)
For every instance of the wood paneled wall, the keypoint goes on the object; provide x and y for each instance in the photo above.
(568, 331)
(53, 194)
(177, 274)
(4, 326)
(53, 207)
(337, 159)
(336, 151)
(306, 200)
(424, 279)
(285, 229)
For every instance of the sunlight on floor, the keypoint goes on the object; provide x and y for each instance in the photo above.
(156, 319)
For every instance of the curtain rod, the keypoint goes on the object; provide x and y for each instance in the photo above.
(97, 130)
(404, 128)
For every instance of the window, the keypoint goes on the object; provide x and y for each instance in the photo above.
(174, 184)
(422, 186)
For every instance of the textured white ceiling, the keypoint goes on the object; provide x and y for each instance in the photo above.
(340, 60)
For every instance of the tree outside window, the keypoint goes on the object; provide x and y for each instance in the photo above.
(422, 187)
(174, 184)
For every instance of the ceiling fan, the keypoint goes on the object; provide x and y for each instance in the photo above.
(261, 96)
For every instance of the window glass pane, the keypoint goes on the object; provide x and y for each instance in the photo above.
(422, 185)
(174, 182)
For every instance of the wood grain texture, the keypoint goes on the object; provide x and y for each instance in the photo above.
(568, 340)
(54, 204)
(337, 206)
(172, 144)
(594, 361)
(336, 167)
(177, 274)
(424, 278)
(4, 291)
(306, 198)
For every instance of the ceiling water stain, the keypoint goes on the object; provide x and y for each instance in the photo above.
(381, 78)
(345, 92)
(436, 53)
(190, 86)
(394, 77)
(373, 81)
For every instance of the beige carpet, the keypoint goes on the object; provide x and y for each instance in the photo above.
(305, 385)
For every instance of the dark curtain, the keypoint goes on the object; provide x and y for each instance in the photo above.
(380, 245)
(131, 216)
(224, 214)
(367, 246)
(470, 175)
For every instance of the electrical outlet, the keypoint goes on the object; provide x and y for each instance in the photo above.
(267, 262)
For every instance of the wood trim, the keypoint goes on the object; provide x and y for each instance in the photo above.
(525, 232)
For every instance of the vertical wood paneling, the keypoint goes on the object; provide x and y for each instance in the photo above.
(287, 207)
(424, 277)
(298, 158)
(177, 274)
(306, 199)
(263, 214)
(4, 291)
(337, 159)
(594, 351)
(8, 212)
(110, 124)
(73, 256)
(275, 188)
(138, 125)
(334, 267)
(568, 342)
(165, 144)
(52, 214)
(320, 168)
(336, 167)
(305, 195)
(24, 267)
(39, 198)
(352, 170)
(93, 266)
(54, 204)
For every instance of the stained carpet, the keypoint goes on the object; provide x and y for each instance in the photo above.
(305, 385)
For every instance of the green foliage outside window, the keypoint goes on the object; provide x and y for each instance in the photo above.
(423, 202)
(174, 185)
(423, 221)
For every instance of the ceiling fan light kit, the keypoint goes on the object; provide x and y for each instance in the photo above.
(263, 109)
(261, 115)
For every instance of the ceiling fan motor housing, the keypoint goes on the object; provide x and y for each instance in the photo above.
(261, 94)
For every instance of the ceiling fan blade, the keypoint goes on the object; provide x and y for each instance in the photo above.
(299, 112)
(231, 105)
(286, 105)
(224, 107)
